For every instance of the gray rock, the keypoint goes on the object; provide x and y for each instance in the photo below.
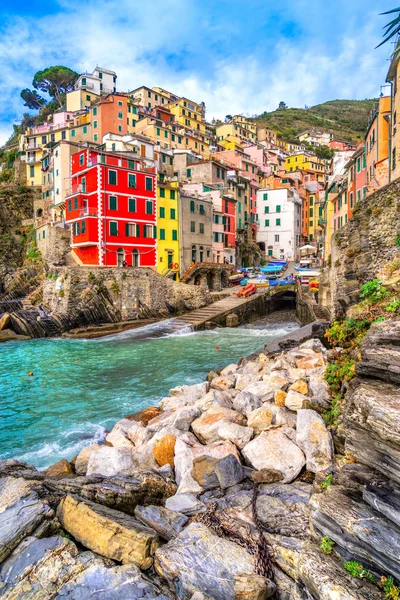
(245, 402)
(313, 344)
(184, 503)
(385, 500)
(296, 401)
(179, 418)
(354, 477)
(262, 389)
(100, 582)
(380, 352)
(195, 391)
(362, 534)
(223, 383)
(229, 471)
(372, 425)
(237, 434)
(199, 560)
(22, 513)
(167, 523)
(110, 461)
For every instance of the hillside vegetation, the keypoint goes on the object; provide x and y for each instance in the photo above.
(347, 119)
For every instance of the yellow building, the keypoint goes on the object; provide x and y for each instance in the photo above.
(36, 140)
(393, 77)
(238, 127)
(79, 100)
(307, 162)
(232, 143)
(172, 136)
(168, 251)
(188, 114)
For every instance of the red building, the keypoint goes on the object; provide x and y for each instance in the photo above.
(229, 220)
(112, 209)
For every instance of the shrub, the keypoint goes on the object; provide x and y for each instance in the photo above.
(330, 417)
(393, 306)
(392, 592)
(327, 482)
(373, 291)
(123, 276)
(347, 332)
(341, 370)
(326, 545)
(357, 570)
(397, 241)
(115, 287)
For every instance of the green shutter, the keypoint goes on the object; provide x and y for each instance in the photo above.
(113, 228)
(154, 231)
(266, 209)
(192, 208)
(172, 213)
(174, 235)
(144, 231)
(172, 194)
(137, 230)
(162, 234)
(112, 177)
(149, 207)
(162, 192)
(131, 180)
(278, 221)
(278, 208)
(162, 212)
(112, 202)
(266, 222)
(149, 183)
(127, 229)
(132, 204)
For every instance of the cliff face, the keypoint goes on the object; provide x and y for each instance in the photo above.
(362, 248)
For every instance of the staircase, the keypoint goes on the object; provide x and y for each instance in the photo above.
(321, 313)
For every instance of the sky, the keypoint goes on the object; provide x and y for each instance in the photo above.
(238, 57)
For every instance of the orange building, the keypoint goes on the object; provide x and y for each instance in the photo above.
(377, 146)
(116, 113)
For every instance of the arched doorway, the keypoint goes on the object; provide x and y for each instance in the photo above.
(224, 279)
(197, 279)
(120, 256)
(39, 213)
(201, 254)
(135, 258)
(194, 254)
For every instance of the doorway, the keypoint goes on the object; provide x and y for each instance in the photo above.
(135, 258)
(120, 256)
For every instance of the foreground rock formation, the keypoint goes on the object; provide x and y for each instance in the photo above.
(224, 493)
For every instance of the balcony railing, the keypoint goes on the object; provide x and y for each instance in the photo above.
(75, 189)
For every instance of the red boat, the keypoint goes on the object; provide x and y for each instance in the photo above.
(247, 290)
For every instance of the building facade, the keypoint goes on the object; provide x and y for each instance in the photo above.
(196, 229)
(279, 216)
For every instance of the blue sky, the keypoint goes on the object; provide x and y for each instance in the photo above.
(237, 57)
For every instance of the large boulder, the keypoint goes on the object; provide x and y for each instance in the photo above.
(108, 532)
(296, 401)
(167, 523)
(82, 460)
(186, 450)
(264, 390)
(118, 439)
(199, 560)
(206, 427)
(362, 533)
(372, 425)
(110, 461)
(21, 513)
(275, 449)
(164, 450)
(245, 402)
(180, 418)
(315, 440)
(260, 418)
(223, 383)
(237, 434)
(380, 352)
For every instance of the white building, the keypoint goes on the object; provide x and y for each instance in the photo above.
(101, 81)
(279, 218)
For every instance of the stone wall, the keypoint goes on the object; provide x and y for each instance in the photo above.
(54, 244)
(362, 248)
(122, 293)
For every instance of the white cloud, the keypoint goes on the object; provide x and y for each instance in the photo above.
(208, 56)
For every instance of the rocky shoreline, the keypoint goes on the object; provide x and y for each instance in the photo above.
(227, 490)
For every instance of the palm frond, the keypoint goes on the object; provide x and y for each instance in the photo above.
(392, 28)
(388, 12)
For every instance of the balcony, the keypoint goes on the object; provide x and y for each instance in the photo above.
(75, 189)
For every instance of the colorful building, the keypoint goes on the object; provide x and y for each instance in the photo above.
(89, 87)
(310, 163)
(279, 215)
(114, 113)
(377, 145)
(393, 77)
(238, 127)
(168, 207)
(111, 208)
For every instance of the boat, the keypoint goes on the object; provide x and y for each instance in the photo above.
(244, 281)
(247, 291)
(235, 279)
(303, 264)
(261, 281)
(271, 269)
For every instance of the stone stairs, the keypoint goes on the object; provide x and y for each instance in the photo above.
(321, 312)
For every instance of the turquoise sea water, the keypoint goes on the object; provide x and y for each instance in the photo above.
(80, 388)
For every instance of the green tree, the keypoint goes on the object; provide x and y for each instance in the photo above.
(55, 81)
(324, 152)
(282, 105)
(32, 99)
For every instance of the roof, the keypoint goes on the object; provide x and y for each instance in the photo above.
(393, 64)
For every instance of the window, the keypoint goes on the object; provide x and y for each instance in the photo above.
(192, 206)
(165, 133)
(277, 239)
(278, 221)
(120, 128)
(120, 115)
(278, 208)
(162, 234)
(172, 213)
(201, 228)
(201, 209)
(83, 185)
(95, 111)
(131, 180)
(192, 227)
(81, 160)
(266, 209)
(94, 125)
(32, 171)
(84, 130)
(149, 207)
(218, 172)
(162, 192)
(72, 132)
(265, 196)
(83, 80)
(266, 222)
(158, 131)
(149, 94)
(149, 183)
(188, 172)
(162, 212)
(311, 212)
(112, 177)
(44, 139)
(358, 195)
(394, 158)
(113, 228)
(95, 137)
(132, 230)
(311, 201)
(351, 200)
(172, 194)
(83, 227)
(112, 202)
(174, 235)
(132, 204)
(120, 103)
